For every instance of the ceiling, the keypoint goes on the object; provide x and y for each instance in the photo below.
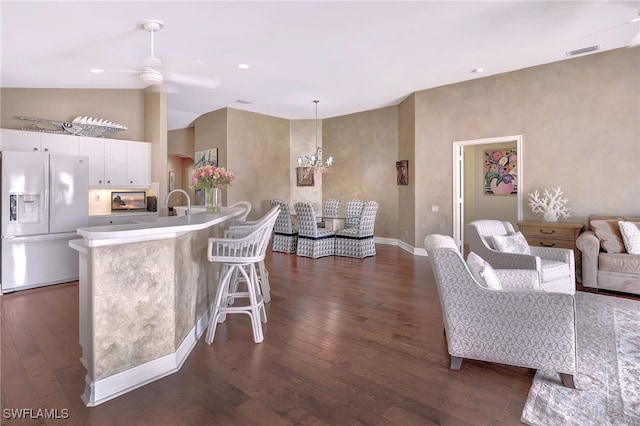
(352, 56)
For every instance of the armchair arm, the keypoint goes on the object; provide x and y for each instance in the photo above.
(552, 253)
(589, 245)
(518, 279)
(501, 260)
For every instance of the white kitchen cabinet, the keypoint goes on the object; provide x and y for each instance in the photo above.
(94, 149)
(117, 163)
(138, 163)
(26, 141)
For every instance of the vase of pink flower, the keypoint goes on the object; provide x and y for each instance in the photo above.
(212, 180)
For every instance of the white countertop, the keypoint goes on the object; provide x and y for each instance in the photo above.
(154, 228)
(123, 213)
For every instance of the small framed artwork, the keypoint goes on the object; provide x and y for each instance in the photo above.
(402, 169)
(172, 181)
(207, 157)
(500, 171)
(304, 176)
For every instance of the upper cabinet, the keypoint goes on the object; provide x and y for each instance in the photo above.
(112, 162)
(26, 141)
(117, 163)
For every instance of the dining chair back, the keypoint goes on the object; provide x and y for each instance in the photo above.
(330, 208)
(247, 209)
(352, 212)
(285, 234)
(312, 241)
(359, 241)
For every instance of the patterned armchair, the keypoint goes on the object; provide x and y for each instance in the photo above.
(285, 235)
(554, 265)
(312, 241)
(358, 241)
(515, 325)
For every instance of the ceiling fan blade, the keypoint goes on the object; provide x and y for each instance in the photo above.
(209, 83)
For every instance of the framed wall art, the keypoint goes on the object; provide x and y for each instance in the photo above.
(500, 171)
(172, 181)
(402, 169)
(304, 176)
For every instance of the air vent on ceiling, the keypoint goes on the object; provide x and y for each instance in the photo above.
(240, 101)
(583, 50)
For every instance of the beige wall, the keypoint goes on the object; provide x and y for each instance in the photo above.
(579, 119)
(365, 147)
(180, 142)
(303, 143)
(580, 124)
(406, 151)
(124, 107)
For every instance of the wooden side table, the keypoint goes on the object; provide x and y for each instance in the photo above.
(554, 234)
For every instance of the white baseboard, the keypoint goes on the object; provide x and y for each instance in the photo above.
(96, 393)
(404, 246)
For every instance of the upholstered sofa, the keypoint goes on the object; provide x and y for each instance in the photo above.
(605, 261)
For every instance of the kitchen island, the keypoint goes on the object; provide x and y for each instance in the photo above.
(145, 289)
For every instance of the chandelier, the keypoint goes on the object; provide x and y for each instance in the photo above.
(314, 161)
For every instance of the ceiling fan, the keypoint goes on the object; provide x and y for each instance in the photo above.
(152, 71)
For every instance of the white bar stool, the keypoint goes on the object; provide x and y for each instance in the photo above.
(239, 257)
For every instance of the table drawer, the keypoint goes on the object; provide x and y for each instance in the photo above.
(547, 242)
(547, 231)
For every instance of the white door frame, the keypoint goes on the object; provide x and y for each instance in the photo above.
(458, 181)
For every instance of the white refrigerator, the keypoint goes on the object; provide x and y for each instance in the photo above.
(44, 202)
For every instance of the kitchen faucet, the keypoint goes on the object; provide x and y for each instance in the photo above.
(166, 200)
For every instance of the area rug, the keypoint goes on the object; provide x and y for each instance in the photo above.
(608, 379)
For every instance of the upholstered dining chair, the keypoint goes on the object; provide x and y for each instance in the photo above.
(312, 241)
(555, 265)
(352, 211)
(330, 208)
(515, 324)
(358, 241)
(285, 234)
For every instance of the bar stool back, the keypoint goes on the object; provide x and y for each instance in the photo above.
(240, 256)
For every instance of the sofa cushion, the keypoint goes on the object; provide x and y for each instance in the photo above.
(619, 262)
(631, 236)
(515, 243)
(608, 232)
(483, 272)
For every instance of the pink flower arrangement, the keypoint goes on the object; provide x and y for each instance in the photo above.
(207, 177)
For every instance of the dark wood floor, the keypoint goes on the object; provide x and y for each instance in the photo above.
(348, 342)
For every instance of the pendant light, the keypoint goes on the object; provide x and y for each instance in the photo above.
(315, 160)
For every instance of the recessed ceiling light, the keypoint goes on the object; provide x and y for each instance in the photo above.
(243, 66)
(96, 70)
(477, 70)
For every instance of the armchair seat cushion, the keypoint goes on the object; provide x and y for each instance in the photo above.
(553, 270)
(619, 262)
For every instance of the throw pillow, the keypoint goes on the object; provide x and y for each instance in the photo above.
(631, 236)
(483, 272)
(608, 232)
(515, 243)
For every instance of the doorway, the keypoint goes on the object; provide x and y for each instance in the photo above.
(461, 193)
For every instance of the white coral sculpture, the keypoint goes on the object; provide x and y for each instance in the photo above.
(551, 205)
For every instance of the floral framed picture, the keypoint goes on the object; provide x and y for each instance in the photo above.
(500, 171)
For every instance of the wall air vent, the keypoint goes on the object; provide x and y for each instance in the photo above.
(583, 50)
(240, 101)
